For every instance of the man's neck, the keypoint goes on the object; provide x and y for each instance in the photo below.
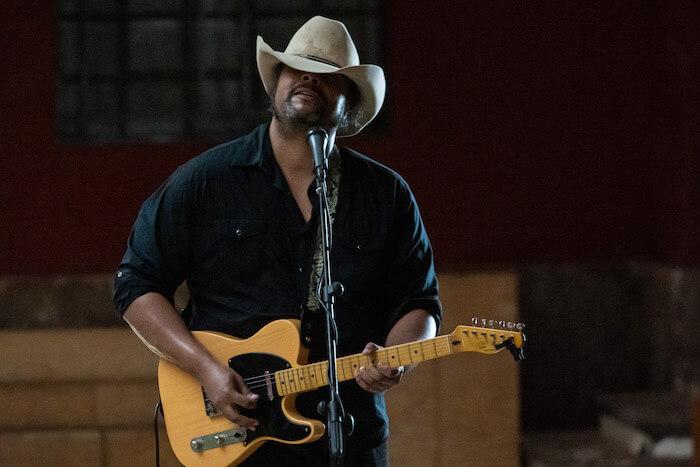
(292, 151)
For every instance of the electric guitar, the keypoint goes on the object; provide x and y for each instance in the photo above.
(273, 364)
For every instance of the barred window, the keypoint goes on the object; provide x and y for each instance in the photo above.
(168, 70)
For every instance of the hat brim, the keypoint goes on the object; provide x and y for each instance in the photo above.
(369, 80)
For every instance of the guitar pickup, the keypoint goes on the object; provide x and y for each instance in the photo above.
(217, 440)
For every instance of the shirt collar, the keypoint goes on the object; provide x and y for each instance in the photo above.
(255, 148)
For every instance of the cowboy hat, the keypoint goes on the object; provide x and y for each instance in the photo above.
(324, 45)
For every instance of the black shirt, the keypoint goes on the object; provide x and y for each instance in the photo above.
(227, 224)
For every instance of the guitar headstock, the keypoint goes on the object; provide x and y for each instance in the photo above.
(489, 336)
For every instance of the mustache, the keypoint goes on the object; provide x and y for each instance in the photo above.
(309, 90)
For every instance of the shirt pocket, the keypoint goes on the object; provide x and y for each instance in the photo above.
(235, 248)
(360, 265)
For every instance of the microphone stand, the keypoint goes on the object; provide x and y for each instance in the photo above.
(318, 140)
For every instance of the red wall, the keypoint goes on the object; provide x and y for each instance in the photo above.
(528, 133)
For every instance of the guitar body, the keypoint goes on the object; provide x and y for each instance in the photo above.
(273, 365)
(275, 347)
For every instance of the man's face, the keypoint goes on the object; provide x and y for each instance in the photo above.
(304, 100)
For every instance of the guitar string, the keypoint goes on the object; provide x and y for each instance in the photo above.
(263, 378)
(253, 382)
(271, 376)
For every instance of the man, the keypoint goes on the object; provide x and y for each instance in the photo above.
(239, 224)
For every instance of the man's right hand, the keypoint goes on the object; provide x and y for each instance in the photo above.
(156, 322)
(228, 393)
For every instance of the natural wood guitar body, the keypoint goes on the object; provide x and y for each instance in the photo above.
(183, 400)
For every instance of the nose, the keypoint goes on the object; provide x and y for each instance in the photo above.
(312, 78)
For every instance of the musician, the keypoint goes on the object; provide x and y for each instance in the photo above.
(239, 224)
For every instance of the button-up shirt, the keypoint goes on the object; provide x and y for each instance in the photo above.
(227, 224)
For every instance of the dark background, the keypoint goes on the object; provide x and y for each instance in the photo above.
(529, 131)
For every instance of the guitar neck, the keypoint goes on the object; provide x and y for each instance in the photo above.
(315, 375)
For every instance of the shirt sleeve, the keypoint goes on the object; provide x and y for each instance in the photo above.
(157, 252)
(414, 283)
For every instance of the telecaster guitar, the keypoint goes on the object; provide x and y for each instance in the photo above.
(273, 364)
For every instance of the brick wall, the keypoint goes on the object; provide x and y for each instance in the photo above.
(85, 395)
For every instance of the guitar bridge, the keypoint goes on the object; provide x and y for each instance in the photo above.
(217, 440)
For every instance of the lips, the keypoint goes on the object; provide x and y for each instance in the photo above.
(304, 91)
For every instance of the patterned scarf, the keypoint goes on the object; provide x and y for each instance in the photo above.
(317, 268)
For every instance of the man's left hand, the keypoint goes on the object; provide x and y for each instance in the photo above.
(378, 377)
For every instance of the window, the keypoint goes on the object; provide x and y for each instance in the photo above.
(167, 70)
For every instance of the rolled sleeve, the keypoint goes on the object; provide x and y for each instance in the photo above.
(156, 257)
(414, 284)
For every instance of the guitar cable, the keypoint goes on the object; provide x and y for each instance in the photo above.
(158, 410)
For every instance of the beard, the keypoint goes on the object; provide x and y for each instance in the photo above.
(293, 119)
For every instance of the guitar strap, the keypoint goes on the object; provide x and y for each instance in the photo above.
(334, 164)
(312, 331)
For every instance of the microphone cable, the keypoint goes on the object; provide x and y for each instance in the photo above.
(158, 410)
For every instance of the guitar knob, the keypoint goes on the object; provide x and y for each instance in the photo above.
(321, 408)
(196, 445)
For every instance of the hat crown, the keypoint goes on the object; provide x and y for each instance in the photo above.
(326, 40)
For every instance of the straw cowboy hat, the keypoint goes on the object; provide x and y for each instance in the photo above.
(324, 45)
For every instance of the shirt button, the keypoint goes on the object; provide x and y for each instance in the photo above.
(239, 232)
(120, 274)
(358, 247)
(301, 269)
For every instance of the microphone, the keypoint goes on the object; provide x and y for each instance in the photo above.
(318, 140)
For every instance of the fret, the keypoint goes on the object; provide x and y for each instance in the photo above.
(383, 356)
(346, 366)
(288, 381)
(304, 378)
(297, 380)
(342, 373)
(446, 341)
(428, 350)
(416, 352)
(339, 370)
(313, 377)
(280, 377)
(404, 353)
(313, 374)
(288, 377)
(355, 364)
(322, 373)
(317, 371)
(393, 354)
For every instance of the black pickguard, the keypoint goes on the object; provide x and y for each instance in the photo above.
(268, 412)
